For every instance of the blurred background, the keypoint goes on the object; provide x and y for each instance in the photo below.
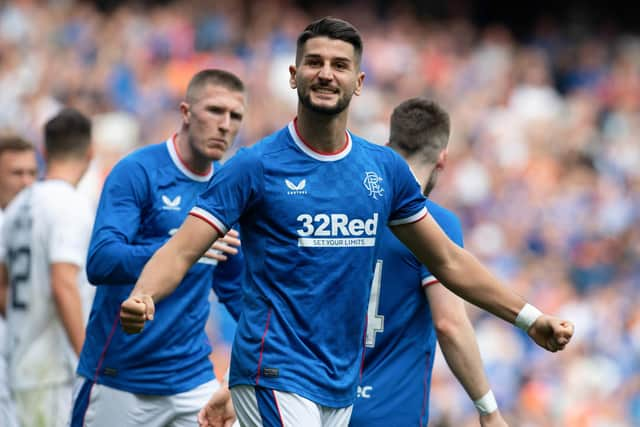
(544, 166)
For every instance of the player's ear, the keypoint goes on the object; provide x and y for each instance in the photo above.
(91, 151)
(45, 155)
(292, 76)
(442, 159)
(186, 114)
(359, 83)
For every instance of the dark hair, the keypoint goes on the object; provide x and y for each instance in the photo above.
(419, 125)
(14, 143)
(67, 134)
(214, 77)
(332, 28)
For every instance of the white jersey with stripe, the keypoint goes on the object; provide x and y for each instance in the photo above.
(47, 223)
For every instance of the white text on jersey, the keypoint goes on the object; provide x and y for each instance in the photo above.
(336, 230)
(364, 392)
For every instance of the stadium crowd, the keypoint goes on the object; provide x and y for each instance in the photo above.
(543, 171)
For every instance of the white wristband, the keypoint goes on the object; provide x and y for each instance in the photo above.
(486, 404)
(527, 317)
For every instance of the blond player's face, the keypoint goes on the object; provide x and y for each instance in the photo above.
(214, 120)
(18, 169)
(327, 76)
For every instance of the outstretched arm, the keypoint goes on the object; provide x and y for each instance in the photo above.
(164, 271)
(457, 269)
(460, 349)
(462, 273)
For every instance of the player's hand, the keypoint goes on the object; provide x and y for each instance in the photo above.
(493, 419)
(218, 412)
(224, 246)
(135, 311)
(551, 333)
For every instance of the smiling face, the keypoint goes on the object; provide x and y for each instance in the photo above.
(213, 119)
(327, 75)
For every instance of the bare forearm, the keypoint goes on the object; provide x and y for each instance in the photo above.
(457, 340)
(461, 352)
(69, 306)
(162, 274)
(468, 278)
(168, 266)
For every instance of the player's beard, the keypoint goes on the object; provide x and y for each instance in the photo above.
(341, 104)
(431, 182)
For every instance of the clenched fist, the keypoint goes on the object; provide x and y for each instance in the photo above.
(135, 311)
(551, 333)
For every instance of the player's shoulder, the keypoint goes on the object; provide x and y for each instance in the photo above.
(443, 216)
(148, 156)
(367, 145)
(267, 147)
(50, 199)
(382, 152)
(59, 193)
(140, 163)
(272, 144)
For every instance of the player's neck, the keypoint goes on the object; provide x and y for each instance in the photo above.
(199, 164)
(324, 133)
(66, 171)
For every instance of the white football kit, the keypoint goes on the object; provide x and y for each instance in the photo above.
(7, 409)
(47, 223)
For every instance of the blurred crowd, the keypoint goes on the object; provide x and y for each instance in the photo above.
(544, 160)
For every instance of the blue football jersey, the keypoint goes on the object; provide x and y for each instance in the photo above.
(310, 224)
(401, 339)
(145, 199)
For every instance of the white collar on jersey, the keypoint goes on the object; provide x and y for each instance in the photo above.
(180, 164)
(323, 157)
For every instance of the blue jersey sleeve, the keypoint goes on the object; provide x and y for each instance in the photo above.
(234, 190)
(227, 283)
(114, 258)
(452, 227)
(408, 202)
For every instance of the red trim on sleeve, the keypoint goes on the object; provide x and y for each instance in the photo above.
(419, 219)
(208, 222)
(431, 282)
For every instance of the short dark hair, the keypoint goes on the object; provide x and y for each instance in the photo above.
(214, 77)
(332, 28)
(419, 125)
(12, 142)
(67, 134)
